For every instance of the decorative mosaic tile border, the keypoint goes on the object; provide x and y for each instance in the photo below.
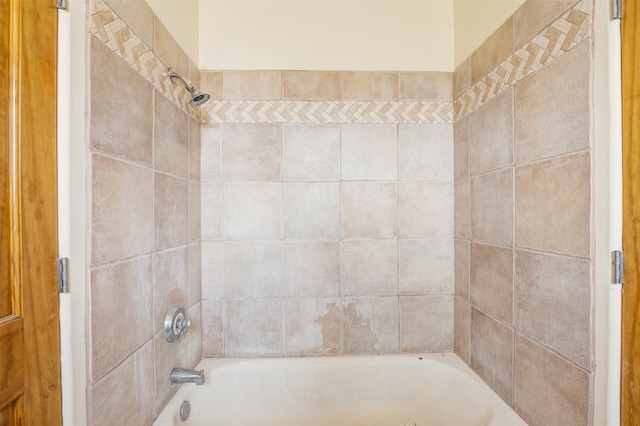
(564, 34)
(328, 112)
(110, 29)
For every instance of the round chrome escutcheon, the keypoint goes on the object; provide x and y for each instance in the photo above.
(185, 410)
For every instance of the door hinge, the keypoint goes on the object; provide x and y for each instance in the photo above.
(62, 4)
(616, 9)
(63, 275)
(617, 267)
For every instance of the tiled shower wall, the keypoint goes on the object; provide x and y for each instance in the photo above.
(145, 217)
(327, 213)
(523, 170)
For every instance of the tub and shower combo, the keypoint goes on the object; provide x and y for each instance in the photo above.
(434, 389)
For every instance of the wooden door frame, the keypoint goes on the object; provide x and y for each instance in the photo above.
(630, 363)
(34, 239)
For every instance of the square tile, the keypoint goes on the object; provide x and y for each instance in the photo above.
(553, 206)
(212, 270)
(311, 85)
(251, 152)
(462, 255)
(370, 268)
(492, 353)
(211, 210)
(311, 210)
(492, 281)
(170, 283)
(425, 209)
(257, 85)
(312, 269)
(553, 303)
(210, 152)
(312, 327)
(171, 212)
(548, 389)
(170, 137)
(369, 209)
(491, 134)
(426, 323)
(252, 269)
(426, 265)
(425, 151)
(311, 152)
(371, 325)
(421, 85)
(212, 329)
(461, 148)
(461, 190)
(369, 85)
(369, 152)
(252, 210)
(254, 327)
(461, 329)
(492, 207)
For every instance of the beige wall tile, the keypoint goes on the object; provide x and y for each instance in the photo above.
(194, 149)
(425, 151)
(195, 273)
(548, 389)
(311, 85)
(492, 353)
(171, 212)
(124, 132)
(553, 206)
(212, 275)
(138, 16)
(370, 268)
(425, 85)
(171, 138)
(311, 152)
(491, 134)
(461, 148)
(211, 83)
(370, 325)
(497, 47)
(194, 74)
(462, 263)
(311, 210)
(251, 151)
(252, 269)
(492, 207)
(168, 50)
(194, 211)
(252, 210)
(534, 15)
(170, 283)
(365, 85)
(369, 209)
(553, 303)
(312, 269)
(135, 401)
(461, 189)
(121, 296)
(552, 107)
(312, 327)
(369, 151)
(255, 85)
(425, 266)
(167, 356)
(210, 152)
(211, 214)
(426, 323)
(492, 281)
(212, 328)
(462, 78)
(121, 210)
(461, 329)
(425, 209)
(254, 327)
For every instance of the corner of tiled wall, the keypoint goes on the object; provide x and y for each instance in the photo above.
(522, 172)
(145, 214)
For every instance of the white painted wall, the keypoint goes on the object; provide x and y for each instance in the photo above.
(475, 20)
(181, 17)
(327, 35)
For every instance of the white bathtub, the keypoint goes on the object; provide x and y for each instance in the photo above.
(387, 390)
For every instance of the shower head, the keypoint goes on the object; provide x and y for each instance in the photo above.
(197, 97)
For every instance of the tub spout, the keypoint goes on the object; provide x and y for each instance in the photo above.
(181, 375)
